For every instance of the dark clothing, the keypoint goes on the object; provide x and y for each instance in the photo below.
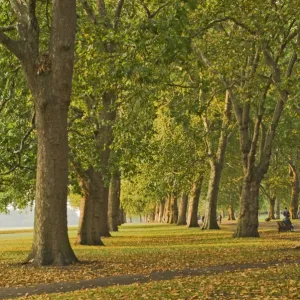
(286, 213)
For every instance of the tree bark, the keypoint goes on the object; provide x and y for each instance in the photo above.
(193, 204)
(104, 138)
(161, 211)
(231, 215)
(151, 217)
(182, 209)
(122, 216)
(210, 221)
(49, 77)
(271, 196)
(294, 179)
(271, 212)
(156, 218)
(216, 167)
(248, 217)
(89, 229)
(166, 210)
(171, 209)
(277, 209)
(50, 241)
(114, 202)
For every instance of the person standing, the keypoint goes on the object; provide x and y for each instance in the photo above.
(286, 213)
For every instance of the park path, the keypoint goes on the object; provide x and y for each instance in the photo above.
(60, 287)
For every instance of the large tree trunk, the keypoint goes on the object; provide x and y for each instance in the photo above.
(50, 241)
(49, 77)
(271, 196)
(277, 209)
(248, 218)
(156, 218)
(89, 229)
(193, 204)
(271, 212)
(294, 179)
(161, 211)
(151, 217)
(231, 215)
(216, 166)
(210, 221)
(166, 210)
(182, 209)
(103, 210)
(114, 202)
(171, 209)
(122, 216)
(104, 138)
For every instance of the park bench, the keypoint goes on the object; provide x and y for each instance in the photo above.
(283, 226)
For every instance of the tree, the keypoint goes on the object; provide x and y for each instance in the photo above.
(194, 202)
(48, 69)
(114, 202)
(182, 210)
(258, 90)
(216, 159)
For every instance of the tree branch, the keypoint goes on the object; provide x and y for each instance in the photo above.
(271, 62)
(242, 25)
(25, 137)
(294, 57)
(13, 46)
(20, 9)
(102, 9)
(152, 15)
(146, 9)
(265, 192)
(118, 13)
(18, 152)
(89, 11)
(183, 86)
(11, 90)
(8, 28)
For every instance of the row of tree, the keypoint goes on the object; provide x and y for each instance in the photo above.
(165, 95)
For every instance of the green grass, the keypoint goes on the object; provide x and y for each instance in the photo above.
(141, 249)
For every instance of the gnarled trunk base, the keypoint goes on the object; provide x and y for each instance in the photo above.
(89, 223)
(248, 219)
(193, 205)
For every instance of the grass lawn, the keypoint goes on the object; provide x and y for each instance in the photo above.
(141, 249)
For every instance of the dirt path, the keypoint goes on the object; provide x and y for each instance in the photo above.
(11, 292)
